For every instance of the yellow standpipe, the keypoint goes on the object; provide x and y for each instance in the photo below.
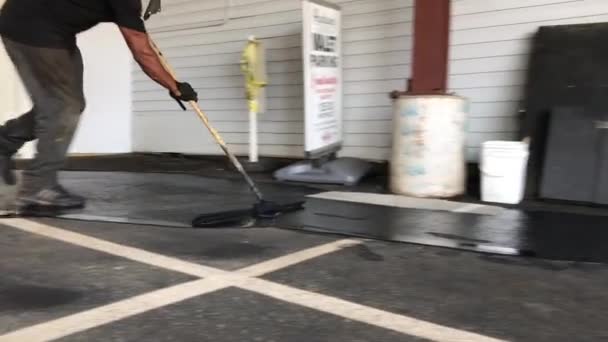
(253, 66)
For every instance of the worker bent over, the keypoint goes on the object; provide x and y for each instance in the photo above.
(40, 38)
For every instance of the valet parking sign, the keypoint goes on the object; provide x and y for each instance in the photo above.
(322, 76)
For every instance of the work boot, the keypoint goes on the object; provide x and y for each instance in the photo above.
(60, 188)
(7, 172)
(48, 201)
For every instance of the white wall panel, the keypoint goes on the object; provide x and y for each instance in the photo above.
(377, 54)
(490, 49)
(490, 46)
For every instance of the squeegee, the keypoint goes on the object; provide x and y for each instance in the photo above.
(263, 209)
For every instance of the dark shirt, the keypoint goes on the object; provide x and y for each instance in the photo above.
(55, 23)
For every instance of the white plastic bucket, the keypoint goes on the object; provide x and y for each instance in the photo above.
(503, 171)
(428, 157)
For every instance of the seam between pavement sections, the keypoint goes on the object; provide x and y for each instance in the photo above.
(213, 280)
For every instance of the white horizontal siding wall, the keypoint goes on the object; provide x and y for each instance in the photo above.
(489, 53)
(377, 49)
(490, 46)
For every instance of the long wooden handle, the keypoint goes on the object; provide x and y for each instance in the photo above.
(237, 164)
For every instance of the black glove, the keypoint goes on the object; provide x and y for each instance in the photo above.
(187, 94)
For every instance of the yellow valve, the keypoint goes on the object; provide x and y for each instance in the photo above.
(252, 66)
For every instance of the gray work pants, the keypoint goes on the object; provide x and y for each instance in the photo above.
(53, 79)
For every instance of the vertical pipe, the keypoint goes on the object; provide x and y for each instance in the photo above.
(431, 46)
(253, 137)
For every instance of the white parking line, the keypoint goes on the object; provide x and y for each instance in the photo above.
(216, 279)
(131, 253)
(398, 201)
(469, 208)
(296, 258)
(364, 314)
(96, 317)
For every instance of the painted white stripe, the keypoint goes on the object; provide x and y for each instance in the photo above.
(388, 200)
(174, 264)
(126, 252)
(296, 258)
(398, 201)
(85, 320)
(470, 208)
(357, 312)
(216, 279)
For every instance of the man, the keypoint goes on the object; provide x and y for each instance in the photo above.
(40, 38)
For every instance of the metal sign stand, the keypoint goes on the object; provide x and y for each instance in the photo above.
(322, 56)
(345, 171)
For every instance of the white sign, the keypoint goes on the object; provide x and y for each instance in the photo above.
(322, 76)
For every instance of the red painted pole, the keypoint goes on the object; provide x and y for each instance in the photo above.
(431, 47)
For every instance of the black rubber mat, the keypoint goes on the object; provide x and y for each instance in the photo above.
(218, 167)
(544, 235)
(567, 68)
(173, 200)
